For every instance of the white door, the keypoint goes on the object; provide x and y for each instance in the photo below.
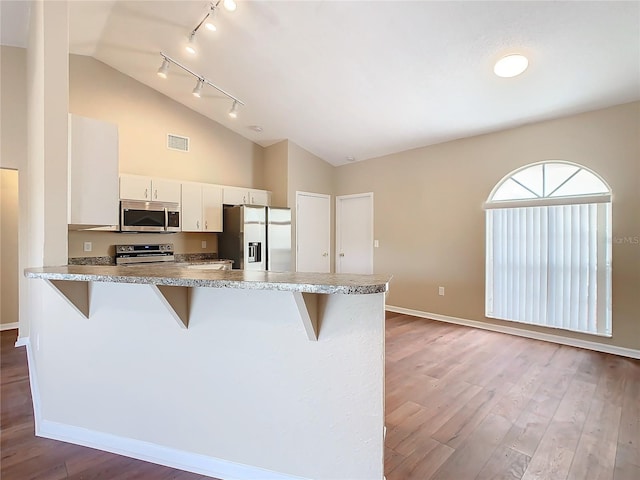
(313, 232)
(354, 233)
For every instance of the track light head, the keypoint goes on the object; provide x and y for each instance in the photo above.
(210, 22)
(191, 43)
(230, 5)
(164, 68)
(233, 113)
(197, 90)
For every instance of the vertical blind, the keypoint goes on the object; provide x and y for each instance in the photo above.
(550, 265)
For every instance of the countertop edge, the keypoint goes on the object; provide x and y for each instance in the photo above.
(216, 279)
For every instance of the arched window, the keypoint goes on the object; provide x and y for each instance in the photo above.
(548, 258)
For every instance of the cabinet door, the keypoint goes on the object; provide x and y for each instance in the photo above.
(212, 208)
(259, 197)
(93, 172)
(134, 187)
(165, 190)
(191, 207)
(235, 196)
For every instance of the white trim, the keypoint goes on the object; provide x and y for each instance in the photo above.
(549, 201)
(161, 455)
(21, 342)
(9, 326)
(546, 337)
(338, 242)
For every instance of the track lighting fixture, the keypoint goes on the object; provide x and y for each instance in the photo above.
(200, 83)
(211, 18)
(209, 21)
(164, 68)
(191, 43)
(197, 90)
(230, 5)
(233, 113)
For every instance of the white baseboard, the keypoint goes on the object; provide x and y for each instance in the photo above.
(22, 342)
(520, 332)
(9, 326)
(150, 452)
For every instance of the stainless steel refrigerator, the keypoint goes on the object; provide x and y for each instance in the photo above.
(256, 237)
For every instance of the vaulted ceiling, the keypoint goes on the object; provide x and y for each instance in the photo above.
(363, 79)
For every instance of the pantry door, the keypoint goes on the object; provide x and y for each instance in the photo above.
(313, 232)
(354, 233)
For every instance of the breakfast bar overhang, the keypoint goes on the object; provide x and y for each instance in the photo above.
(230, 374)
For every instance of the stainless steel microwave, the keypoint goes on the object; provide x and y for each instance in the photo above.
(159, 217)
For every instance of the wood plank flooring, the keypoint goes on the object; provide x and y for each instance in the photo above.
(461, 404)
(466, 404)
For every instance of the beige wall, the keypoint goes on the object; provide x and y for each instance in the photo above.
(13, 155)
(309, 173)
(430, 222)
(8, 246)
(145, 117)
(276, 161)
(13, 108)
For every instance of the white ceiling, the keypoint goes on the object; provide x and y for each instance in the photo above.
(369, 78)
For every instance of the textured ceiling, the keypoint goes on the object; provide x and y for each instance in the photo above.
(369, 78)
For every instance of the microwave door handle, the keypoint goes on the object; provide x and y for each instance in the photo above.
(166, 219)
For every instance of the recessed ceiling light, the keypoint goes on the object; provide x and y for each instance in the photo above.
(255, 128)
(351, 159)
(511, 65)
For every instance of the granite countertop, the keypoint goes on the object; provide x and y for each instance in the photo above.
(244, 279)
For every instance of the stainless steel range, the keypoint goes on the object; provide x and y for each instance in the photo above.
(137, 254)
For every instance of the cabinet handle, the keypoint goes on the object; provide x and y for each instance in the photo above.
(155, 194)
(197, 223)
(206, 224)
(146, 193)
(342, 254)
(325, 254)
(244, 199)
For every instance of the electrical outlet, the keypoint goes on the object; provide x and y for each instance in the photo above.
(88, 246)
(441, 291)
(204, 244)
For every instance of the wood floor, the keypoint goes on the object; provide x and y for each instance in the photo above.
(465, 404)
(462, 404)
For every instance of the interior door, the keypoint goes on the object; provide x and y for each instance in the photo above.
(313, 232)
(354, 233)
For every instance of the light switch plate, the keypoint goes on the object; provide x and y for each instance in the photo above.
(376, 243)
(88, 246)
(204, 244)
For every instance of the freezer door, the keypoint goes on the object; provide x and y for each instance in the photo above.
(278, 239)
(255, 237)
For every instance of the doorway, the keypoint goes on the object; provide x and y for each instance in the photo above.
(313, 232)
(9, 248)
(354, 233)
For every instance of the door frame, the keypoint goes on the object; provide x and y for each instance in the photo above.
(338, 224)
(319, 195)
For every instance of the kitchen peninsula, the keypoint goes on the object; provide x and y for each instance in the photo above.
(232, 374)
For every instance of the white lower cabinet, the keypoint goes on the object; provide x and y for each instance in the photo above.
(201, 207)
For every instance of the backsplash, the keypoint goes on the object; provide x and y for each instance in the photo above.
(102, 243)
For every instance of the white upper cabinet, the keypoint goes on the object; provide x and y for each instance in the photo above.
(245, 196)
(93, 173)
(201, 207)
(212, 208)
(137, 187)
